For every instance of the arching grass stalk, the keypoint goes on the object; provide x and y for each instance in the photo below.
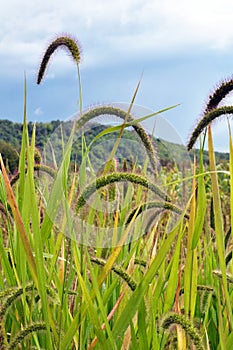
(212, 111)
(158, 205)
(73, 47)
(152, 219)
(200, 288)
(118, 177)
(219, 274)
(41, 167)
(119, 271)
(111, 130)
(109, 110)
(66, 42)
(205, 121)
(188, 327)
(21, 335)
(8, 297)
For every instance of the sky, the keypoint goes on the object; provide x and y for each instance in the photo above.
(180, 49)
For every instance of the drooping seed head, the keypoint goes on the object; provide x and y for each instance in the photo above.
(110, 110)
(205, 121)
(219, 94)
(187, 325)
(118, 177)
(212, 110)
(66, 42)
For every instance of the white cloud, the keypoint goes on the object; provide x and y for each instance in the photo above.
(112, 29)
(38, 111)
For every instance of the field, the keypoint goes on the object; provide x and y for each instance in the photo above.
(116, 251)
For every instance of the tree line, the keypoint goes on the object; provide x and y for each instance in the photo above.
(11, 134)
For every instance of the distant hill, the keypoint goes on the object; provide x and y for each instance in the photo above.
(11, 133)
(180, 152)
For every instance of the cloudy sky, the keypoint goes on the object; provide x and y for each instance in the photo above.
(183, 48)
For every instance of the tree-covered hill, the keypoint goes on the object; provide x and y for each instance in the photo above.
(11, 132)
(10, 140)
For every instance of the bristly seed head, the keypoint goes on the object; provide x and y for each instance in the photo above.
(187, 325)
(63, 41)
(205, 121)
(219, 94)
(212, 110)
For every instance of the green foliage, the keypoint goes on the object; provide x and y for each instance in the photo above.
(12, 132)
(58, 293)
(9, 155)
(10, 140)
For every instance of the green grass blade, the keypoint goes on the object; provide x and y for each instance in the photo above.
(201, 205)
(91, 309)
(119, 128)
(218, 216)
(19, 224)
(231, 176)
(23, 152)
(173, 278)
(190, 272)
(114, 149)
(101, 304)
(59, 190)
(135, 300)
(142, 326)
(38, 241)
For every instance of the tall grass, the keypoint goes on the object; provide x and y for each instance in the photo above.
(168, 287)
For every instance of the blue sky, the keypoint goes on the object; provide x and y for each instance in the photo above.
(183, 49)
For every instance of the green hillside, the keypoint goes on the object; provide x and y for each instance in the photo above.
(168, 153)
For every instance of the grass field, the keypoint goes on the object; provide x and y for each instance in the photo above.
(130, 257)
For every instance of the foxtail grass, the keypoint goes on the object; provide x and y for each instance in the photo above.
(58, 293)
(185, 323)
(68, 43)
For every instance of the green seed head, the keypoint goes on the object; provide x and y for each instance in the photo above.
(187, 325)
(67, 42)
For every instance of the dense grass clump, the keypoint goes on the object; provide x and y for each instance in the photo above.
(161, 279)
